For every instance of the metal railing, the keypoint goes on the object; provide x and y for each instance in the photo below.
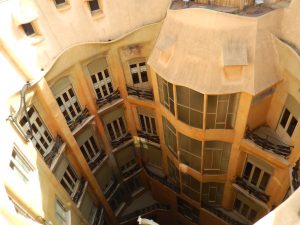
(98, 216)
(266, 144)
(252, 190)
(54, 151)
(295, 176)
(219, 213)
(96, 161)
(143, 211)
(115, 143)
(79, 119)
(140, 92)
(150, 137)
(131, 171)
(113, 184)
(79, 191)
(108, 99)
(163, 180)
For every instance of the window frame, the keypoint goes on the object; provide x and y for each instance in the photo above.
(94, 149)
(150, 127)
(116, 128)
(166, 94)
(135, 67)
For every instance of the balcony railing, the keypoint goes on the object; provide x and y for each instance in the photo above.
(269, 143)
(252, 190)
(54, 151)
(117, 142)
(111, 187)
(93, 164)
(219, 213)
(108, 99)
(143, 211)
(140, 93)
(295, 176)
(79, 119)
(150, 137)
(131, 171)
(162, 180)
(98, 217)
(79, 192)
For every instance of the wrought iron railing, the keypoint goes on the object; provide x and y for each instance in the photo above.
(162, 180)
(98, 216)
(108, 99)
(140, 93)
(143, 211)
(79, 191)
(115, 143)
(252, 190)
(219, 213)
(131, 171)
(150, 137)
(93, 164)
(111, 187)
(79, 119)
(266, 144)
(295, 176)
(54, 151)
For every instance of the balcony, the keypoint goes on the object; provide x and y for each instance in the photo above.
(79, 119)
(79, 192)
(266, 138)
(54, 151)
(96, 161)
(219, 213)
(143, 211)
(108, 99)
(162, 180)
(140, 92)
(149, 137)
(252, 190)
(117, 142)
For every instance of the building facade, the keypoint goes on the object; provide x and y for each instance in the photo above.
(185, 113)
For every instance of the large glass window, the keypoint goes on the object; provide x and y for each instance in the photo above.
(173, 172)
(148, 124)
(41, 137)
(221, 111)
(212, 193)
(189, 106)
(100, 77)
(166, 94)
(190, 187)
(190, 152)
(170, 136)
(216, 157)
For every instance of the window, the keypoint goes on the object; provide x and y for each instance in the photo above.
(188, 211)
(212, 193)
(116, 128)
(88, 145)
(100, 77)
(170, 136)
(28, 29)
(190, 187)
(67, 176)
(41, 138)
(216, 157)
(288, 122)
(20, 166)
(173, 172)
(68, 104)
(246, 208)
(190, 106)
(138, 73)
(88, 208)
(221, 111)
(256, 173)
(94, 5)
(190, 152)
(61, 213)
(166, 94)
(148, 124)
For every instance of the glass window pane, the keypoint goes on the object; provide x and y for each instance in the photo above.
(182, 95)
(255, 175)
(247, 171)
(292, 126)
(264, 181)
(285, 118)
(196, 100)
(211, 104)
